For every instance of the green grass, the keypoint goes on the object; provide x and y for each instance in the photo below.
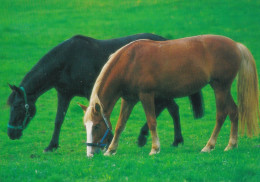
(29, 29)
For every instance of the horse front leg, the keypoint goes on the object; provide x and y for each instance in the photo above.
(160, 105)
(173, 109)
(233, 115)
(125, 111)
(147, 100)
(63, 104)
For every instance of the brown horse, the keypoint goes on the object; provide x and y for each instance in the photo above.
(145, 69)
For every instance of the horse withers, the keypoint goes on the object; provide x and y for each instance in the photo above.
(144, 70)
(72, 68)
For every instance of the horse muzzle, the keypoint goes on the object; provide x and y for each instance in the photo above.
(14, 133)
(92, 150)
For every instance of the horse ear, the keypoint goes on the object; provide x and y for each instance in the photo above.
(84, 108)
(97, 108)
(11, 86)
(16, 89)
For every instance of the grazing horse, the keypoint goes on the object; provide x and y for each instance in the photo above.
(145, 69)
(72, 68)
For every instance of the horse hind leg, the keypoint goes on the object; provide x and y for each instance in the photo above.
(222, 112)
(233, 115)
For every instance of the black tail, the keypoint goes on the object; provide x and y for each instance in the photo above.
(197, 104)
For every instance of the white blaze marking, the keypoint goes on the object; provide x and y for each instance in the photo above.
(89, 125)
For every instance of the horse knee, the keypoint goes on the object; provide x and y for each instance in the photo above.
(152, 125)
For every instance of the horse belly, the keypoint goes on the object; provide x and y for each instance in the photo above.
(182, 85)
(183, 76)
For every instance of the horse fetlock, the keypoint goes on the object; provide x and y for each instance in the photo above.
(178, 141)
(208, 148)
(231, 146)
(51, 148)
(110, 152)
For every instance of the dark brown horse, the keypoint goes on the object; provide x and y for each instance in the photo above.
(146, 69)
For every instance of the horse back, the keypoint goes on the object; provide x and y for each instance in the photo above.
(178, 67)
(78, 61)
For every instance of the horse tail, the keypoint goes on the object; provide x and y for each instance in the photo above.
(197, 105)
(247, 90)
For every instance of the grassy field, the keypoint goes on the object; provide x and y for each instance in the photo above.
(29, 29)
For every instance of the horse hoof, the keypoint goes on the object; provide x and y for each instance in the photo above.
(90, 155)
(142, 139)
(207, 149)
(154, 151)
(51, 148)
(109, 153)
(177, 142)
(230, 147)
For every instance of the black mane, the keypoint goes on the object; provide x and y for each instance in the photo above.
(10, 99)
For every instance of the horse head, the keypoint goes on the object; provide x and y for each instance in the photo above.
(98, 128)
(21, 111)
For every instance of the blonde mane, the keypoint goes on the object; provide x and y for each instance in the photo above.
(112, 60)
(94, 95)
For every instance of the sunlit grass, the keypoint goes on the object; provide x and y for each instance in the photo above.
(29, 29)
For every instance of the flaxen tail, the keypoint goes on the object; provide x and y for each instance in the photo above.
(247, 90)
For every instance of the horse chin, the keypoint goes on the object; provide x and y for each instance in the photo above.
(14, 134)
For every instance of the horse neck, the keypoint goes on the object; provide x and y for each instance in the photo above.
(38, 80)
(108, 93)
(108, 97)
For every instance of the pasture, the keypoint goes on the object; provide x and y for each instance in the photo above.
(29, 29)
